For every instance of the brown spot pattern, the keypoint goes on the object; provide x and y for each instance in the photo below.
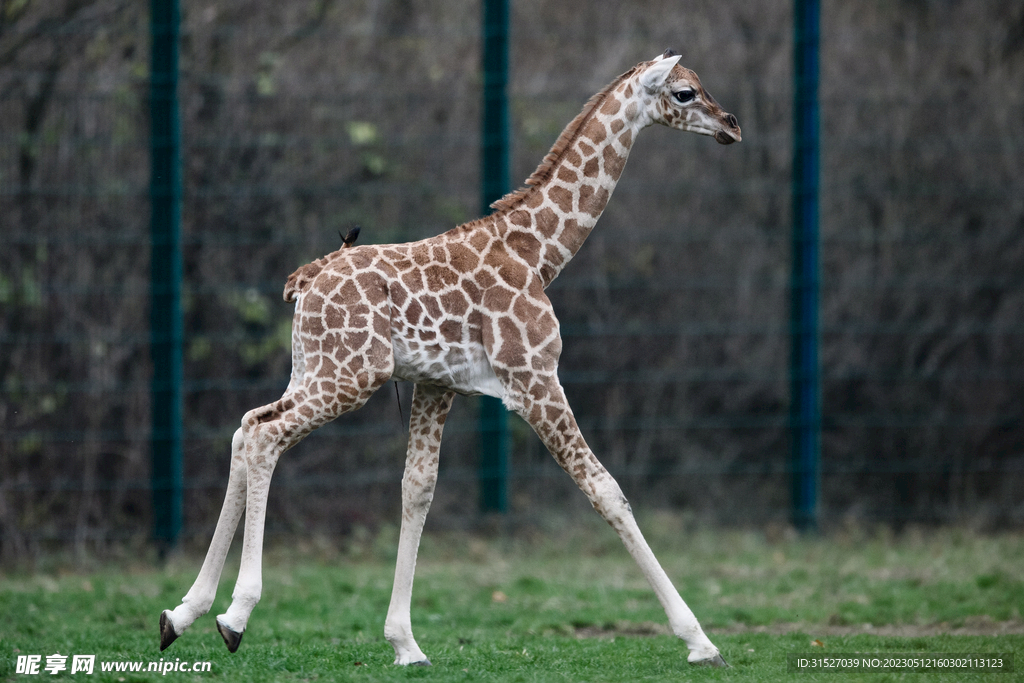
(595, 131)
(565, 174)
(526, 246)
(561, 197)
(613, 162)
(611, 106)
(454, 303)
(547, 222)
(595, 202)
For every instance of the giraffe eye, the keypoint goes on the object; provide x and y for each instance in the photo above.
(685, 96)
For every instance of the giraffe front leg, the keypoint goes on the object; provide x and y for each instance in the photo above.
(199, 598)
(430, 407)
(548, 412)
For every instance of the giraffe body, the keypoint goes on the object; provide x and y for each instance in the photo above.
(463, 312)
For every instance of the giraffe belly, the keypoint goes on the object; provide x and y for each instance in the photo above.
(463, 368)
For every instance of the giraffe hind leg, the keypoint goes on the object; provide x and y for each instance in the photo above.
(200, 596)
(268, 432)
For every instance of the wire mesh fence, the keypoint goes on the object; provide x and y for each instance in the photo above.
(300, 121)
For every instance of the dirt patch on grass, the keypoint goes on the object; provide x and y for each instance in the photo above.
(622, 628)
(971, 626)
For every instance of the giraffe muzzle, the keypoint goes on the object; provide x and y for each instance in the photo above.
(727, 137)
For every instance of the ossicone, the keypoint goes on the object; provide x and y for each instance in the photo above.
(655, 75)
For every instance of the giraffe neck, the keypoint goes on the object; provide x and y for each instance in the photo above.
(568, 193)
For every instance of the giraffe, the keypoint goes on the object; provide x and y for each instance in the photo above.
(464, 312)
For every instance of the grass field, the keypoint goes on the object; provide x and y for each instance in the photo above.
(567, 608)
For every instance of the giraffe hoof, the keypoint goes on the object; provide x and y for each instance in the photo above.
(715, 662)
(167, 634)
(231, 637)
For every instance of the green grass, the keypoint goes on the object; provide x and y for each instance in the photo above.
(569, 608)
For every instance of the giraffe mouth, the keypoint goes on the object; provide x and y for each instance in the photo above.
(724, 138)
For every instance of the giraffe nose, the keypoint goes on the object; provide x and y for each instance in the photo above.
(727, 137)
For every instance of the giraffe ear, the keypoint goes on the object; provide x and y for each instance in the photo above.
(657, 73)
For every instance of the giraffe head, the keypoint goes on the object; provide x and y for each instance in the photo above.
(673, 96)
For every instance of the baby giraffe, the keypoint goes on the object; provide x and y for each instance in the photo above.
(461, 313)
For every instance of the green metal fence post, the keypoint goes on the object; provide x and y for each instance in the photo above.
(805, 371)
(494, 156)
(166, 323)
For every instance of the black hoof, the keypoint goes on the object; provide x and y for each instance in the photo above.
(167, 634)
(715, 662)
(231, 638)
(425, 662)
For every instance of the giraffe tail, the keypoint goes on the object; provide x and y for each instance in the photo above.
(301, 278)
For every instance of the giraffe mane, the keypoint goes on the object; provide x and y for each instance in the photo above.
(568, 136)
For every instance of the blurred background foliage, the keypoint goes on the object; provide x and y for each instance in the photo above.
(301, 120)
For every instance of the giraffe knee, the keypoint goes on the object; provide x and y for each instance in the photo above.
(418, 491)
(609, 501)
(418, 504)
